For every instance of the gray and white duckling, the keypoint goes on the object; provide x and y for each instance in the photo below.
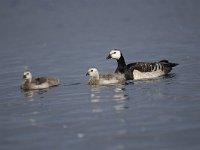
(38, 83)
(104, 79)
(140, 70)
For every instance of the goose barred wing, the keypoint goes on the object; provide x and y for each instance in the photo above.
(147, 66)
(163, 65)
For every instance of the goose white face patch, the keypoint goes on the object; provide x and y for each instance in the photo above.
(115, 54)
(27, 75)
(93, 72)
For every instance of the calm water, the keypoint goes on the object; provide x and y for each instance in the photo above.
(63, 39)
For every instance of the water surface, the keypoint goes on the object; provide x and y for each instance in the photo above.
(64, 39)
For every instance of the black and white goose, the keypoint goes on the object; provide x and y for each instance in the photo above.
(140, 70)
(104, 78)
(38, 83)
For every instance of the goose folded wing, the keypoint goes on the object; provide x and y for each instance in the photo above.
(40, 80)
(107, 76)
(146, 67)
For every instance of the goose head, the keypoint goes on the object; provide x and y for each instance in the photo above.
(27, 76)
(93, 72)
(114, 54)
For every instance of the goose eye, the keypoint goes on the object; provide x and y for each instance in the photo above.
(114, 52)
(27, 73)
(91, 70)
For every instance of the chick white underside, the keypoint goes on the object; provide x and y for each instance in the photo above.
(40, 86)
(147, 75)
(110, 81)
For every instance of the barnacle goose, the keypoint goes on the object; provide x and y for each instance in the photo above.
(38, 83)
(140, 70)
(104, 79)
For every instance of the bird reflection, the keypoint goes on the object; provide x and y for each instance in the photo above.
(95, 98)
(120, 98)
(116, 93)
(30, 94)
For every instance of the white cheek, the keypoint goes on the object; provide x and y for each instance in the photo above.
(93, 74)
(115, 56)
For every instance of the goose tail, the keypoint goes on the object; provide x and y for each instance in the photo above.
(53, 81)
(169, 64)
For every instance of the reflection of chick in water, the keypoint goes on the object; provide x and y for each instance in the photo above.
(32, 93)
(116, 97)
(95, 98)
(104, 79)
(120, 97)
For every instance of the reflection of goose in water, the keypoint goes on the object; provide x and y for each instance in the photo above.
(104, 79)
(114, 96)
(38, 83)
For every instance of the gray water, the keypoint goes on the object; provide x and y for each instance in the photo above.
(63, 39)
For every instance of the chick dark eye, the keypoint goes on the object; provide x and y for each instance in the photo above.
(114, 52)
(27, 73)
(91, 70)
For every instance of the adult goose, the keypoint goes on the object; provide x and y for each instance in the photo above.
(104, 79)
(140, 70)
(38, 83)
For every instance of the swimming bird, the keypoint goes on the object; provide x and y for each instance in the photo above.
(140, 70)
(104, 79)
(38, 83)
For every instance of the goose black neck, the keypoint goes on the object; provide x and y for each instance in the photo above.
(121, 62)
(121, 68)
